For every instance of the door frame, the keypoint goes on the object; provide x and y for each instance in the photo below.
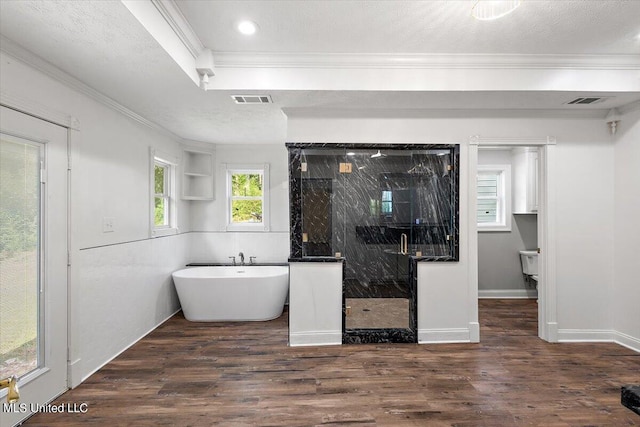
(39, 111)
(547, 289)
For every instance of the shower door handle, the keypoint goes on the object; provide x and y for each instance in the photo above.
(404, 244)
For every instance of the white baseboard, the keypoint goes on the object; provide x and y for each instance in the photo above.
(301, 339)
(74, 373)
(507, 293)
(627, 341)
(552, 331)
(597, 335)
(585, 335)
(474, 332)
(444, 336)
(121, 351)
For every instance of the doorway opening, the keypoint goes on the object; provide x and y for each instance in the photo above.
(512, 218)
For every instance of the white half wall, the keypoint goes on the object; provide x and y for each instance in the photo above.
(315, 303)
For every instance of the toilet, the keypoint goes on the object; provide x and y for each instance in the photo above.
(529, 261)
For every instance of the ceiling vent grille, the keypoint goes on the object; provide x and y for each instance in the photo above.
(252, 99)
(587, 100)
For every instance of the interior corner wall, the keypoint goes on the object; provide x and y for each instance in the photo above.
(584, 217)
(120, 284)
(210, 240)
(626, 292)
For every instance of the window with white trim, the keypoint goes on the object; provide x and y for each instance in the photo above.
(494, 198)
(248, 197)
(163, 194)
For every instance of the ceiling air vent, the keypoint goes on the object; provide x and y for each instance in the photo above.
(587, 100)
(252, 99)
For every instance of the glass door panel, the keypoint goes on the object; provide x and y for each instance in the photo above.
(378, 227)
(33, 261)
(19, 256)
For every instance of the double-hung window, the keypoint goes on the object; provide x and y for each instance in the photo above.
(163, 195)
(494, 198)
(248, 197)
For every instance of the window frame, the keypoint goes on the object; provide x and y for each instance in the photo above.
(158, 158)
(503, 198)
(247, 169)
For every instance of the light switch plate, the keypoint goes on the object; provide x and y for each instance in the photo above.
(108, 224)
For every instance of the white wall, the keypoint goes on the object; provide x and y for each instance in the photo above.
(211, 243)
(584, 222)
(315, 303)
(499, 268)
(120, 285)
(584, 234)
(626, 292)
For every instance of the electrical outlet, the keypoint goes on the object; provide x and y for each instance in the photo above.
(108, 224)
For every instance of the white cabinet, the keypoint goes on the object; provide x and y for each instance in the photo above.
(197, 175)
(525, 180)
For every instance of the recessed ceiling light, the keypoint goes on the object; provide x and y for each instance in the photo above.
(247, 27)
(351, 153)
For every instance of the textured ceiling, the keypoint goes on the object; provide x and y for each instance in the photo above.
(101, 44)
(536, 27)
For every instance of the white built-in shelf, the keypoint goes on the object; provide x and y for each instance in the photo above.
(197, 175)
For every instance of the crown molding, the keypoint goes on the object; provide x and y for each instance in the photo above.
(179, 24)
(425, 61)
(17, 52)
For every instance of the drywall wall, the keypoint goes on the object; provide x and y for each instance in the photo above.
(584, 234)
(499, 268)
(211, 242)
(583, 208)
(315, 303)
(120, 285)
(626, 292)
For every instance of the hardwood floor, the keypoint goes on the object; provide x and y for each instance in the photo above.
(243, 374)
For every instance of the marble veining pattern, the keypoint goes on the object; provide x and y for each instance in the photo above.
(381, 208)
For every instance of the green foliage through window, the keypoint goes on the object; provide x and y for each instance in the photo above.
(246, 198)
(160, 172)
(19, 198)
(246, 185)
(161, 201)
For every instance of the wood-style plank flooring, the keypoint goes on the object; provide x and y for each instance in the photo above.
(243, 374)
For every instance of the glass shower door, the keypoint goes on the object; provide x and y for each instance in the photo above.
(377, 218)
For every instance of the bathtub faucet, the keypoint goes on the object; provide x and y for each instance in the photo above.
(241, 255)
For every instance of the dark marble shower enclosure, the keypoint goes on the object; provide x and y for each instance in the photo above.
(382, 208)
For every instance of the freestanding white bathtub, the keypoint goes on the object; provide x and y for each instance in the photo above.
(225, 293)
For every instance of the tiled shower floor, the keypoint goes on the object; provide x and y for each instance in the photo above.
(370, 313)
